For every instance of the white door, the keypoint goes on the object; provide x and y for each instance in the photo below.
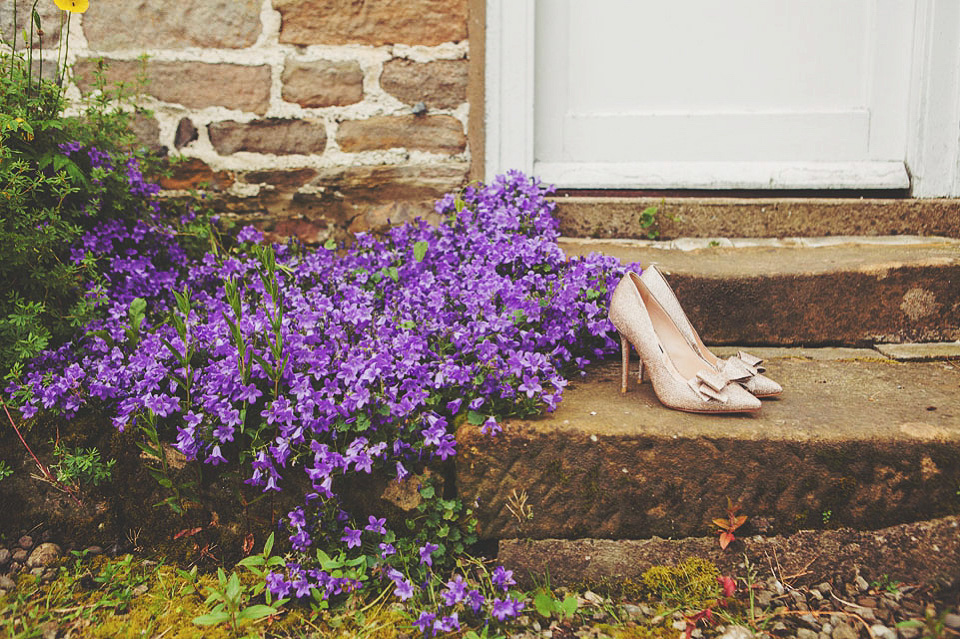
(735, 94)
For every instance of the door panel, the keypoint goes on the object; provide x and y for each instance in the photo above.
(816, 90)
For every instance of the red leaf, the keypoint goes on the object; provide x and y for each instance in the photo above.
(725, 539)
(188, 532)
(248, 544)
(722, 524)
(739, 521)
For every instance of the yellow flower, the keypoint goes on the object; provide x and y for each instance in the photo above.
(73, 6)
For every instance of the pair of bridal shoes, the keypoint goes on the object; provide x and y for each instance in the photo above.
(685, 374)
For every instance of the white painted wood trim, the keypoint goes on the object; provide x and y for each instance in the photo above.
(933, 150)
(726, 175)
(509, 86)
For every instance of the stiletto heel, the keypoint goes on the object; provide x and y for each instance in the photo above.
(681, 379)
(624, 362)
(758, 384)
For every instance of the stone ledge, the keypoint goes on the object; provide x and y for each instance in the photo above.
(864, 443)
(799, 295)
(918, 553)
(612, 217)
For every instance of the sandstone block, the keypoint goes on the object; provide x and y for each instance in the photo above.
(441, 84)
(49, 23)
(186, 133)
(195, 174)
(372, 22)
(436, 133)
(147, 130)
(322, 84)
(293, 178)
(273, 135)
(193, 84)
(149, 24)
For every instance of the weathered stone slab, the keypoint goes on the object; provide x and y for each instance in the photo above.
(155, 24)
(610, 217)
(846, 294)
(322, 83)
(860, 443)
(372, 22)
(434, 133)
(273, 135)
(193, 84)
(925, 352)
(917, 553)
(441, 84)
(195, 174)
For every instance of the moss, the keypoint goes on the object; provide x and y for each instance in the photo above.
(690, 584)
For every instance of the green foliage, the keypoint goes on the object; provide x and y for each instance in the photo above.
(232, 604)
(5, 471)
(48, 197)
(547, 605)
(81, 466)
(691, 584)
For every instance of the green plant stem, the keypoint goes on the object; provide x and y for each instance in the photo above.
(43, 469)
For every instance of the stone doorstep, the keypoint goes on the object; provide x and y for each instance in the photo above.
(851, 294)
(855, 442)
(918, 553)
(619, 217)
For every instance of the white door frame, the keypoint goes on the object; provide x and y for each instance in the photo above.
(933, 148)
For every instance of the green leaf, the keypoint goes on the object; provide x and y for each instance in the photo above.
(268, 546)
(545, 604)
(251, 562)
(475, 418)
(408, 325)
(569, 606)
(428, 491)
(330, 244)
(258, 611)
(211, 618)
(420, 250)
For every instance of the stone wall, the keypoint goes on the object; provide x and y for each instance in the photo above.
(309, 117)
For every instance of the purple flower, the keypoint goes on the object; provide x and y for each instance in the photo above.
(425, 621)
(377, 525)
(387, 549)
(277, 584)
(426, 552)
(506, 608)
(352, 537)
(502, 578)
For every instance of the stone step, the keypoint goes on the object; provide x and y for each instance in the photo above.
(919, 553)
(806, 291)
(856, 439)
(619, 217)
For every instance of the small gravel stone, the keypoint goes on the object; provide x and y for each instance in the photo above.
(20, 555)
(36, 572)
(806, 633)
(823, 634)
(43, 555)
(825, 588)
(7, 583)
(952, 620)
(736, 632)
(880, 631)
(908, 632)
(632, 611)
(862, 584)
(25, 542)
(93, 551)
(780, 628)
(811, 621)
(843, 631)
(828, 627)
(764, 598)
(4, 557)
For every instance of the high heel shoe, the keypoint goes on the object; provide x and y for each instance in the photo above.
(681, 379)
(758, 384)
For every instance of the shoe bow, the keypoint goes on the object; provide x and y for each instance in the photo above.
(752, 362)
(709, 384)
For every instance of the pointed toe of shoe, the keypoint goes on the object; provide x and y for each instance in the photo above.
(763, 386)
(741, 401)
